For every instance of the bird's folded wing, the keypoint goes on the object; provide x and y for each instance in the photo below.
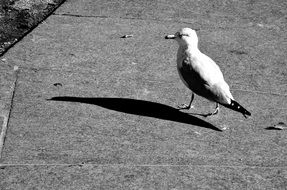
(207, 78)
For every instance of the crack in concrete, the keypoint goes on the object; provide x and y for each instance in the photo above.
(7, 115)
(81, 16)
(149, 19)
(145, 165)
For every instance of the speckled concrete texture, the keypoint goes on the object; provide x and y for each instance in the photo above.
(92, 110)
(141, 177)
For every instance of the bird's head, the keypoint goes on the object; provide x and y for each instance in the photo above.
(185, 36)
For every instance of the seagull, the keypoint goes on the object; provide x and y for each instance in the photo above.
(201, 74)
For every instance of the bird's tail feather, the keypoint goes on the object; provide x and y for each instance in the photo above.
(237, 107)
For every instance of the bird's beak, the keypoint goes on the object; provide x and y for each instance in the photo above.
(170, 37)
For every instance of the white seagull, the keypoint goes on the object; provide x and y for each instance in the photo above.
(201, 74)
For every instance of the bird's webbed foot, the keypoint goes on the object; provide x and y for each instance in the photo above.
(212, 113)
(186, 106)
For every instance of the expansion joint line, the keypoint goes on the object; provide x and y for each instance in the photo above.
(7, 116)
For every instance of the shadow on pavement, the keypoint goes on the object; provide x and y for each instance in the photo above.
(140, 107)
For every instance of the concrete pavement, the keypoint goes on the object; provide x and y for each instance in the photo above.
(88, 109)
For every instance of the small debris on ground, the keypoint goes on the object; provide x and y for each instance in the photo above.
(15, 68)
(278, 126)
(58, 84)
(224, 127)
(198, 133)
(238, 52)
(127, 36)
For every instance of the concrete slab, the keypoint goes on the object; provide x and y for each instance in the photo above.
(141, 177)
(86, 97)
(252, 32)
(97, 119)
(248, 63)
(213, 14)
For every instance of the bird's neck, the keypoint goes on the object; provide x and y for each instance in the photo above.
(191, 49)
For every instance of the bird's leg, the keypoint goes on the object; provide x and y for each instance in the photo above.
(186, 106)
(216, 109)
(214, 112)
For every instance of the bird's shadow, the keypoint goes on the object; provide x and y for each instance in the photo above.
(140, 107)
